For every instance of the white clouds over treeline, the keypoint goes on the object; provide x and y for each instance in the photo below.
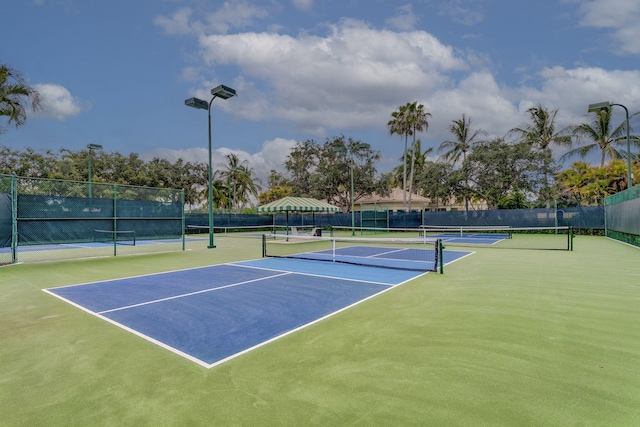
(351, 75)
(57, 102)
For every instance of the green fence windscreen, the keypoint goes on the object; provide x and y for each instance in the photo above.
(36, 212)
(622, 212)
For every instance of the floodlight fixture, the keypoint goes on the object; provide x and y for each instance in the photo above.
(223, 92)
(605, 106)
(599, 106)
(197, 103)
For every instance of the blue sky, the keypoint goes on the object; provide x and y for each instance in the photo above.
(116, 72)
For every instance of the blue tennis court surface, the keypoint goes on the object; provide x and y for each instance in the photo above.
(211, 314)
(474, 239)
(89, 245)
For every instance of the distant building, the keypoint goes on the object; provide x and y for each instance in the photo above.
(394, 202)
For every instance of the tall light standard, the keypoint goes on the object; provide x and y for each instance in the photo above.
(343, 149)
(92, 147)
(223, 92)
(605, 106)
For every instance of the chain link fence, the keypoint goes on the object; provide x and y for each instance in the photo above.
(44, 219)
(623, 216)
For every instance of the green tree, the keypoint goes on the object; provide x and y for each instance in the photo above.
(437, 181)
(418, 119)
(419, 159)
(540, 133)
(588, 184)
(600, 135)
(456, 150)
(15, 97)
(277, 188)
(409, 119)
(274, 193)
(241, 181)
(400, 125)
(301, 164)
(322, 172)
(497, 170)
(108, 168)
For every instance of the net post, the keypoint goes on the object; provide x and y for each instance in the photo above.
(333, 249)
(570, 238)
(440, 257)
(264, 246)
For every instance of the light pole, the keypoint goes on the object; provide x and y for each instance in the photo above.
(343, 149)
(92, 147)
(223, 92)
(605, 106)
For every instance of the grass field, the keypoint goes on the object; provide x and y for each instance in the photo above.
(504, 337)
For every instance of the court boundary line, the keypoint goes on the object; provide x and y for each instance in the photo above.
(200, 362)
(324, 276)
(142, 275)
(192, 293)
(283, 335)
(131, 330)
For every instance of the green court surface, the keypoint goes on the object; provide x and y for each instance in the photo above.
(503, 338)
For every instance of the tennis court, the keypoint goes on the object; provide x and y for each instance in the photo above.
(502, 338)
(212, 314)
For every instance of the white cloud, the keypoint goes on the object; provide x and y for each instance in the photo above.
(57, 102)
(345, 78)
(272, 156)
(405, 19)
(302, 4)
(465, 12)
(233, 14)
(574, 89)
(352, 77)
(621, 17)
(178, 23)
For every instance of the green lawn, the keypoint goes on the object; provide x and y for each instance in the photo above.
(504, 337)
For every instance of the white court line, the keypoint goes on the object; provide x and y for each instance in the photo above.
(247, 350)
(324, 276)
(192, 293)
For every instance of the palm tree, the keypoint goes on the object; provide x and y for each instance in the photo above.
(399, 125)
(417, 118)
(464, 139)
(240, 179)
(603, 137)
(15, 95)
(540, 133)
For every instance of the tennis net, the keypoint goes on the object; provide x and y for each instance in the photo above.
(423, 254)
(124, 237)
(499, 237)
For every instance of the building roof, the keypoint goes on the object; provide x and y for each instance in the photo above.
(298, 204)
(394, 197)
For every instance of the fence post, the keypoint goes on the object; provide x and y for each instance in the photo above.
(14, 218)
(115, 219)
(183, 219)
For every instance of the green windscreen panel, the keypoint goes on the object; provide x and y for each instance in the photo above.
(56, 211)
(622, 213)
(5, 220)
